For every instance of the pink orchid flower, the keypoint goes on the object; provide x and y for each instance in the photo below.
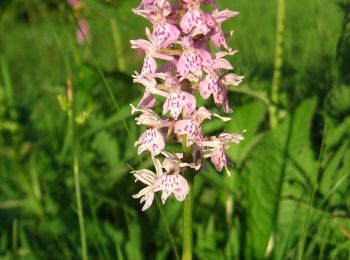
(196, 21)
(215, 85)
(149, 178)
(151, 49)
(172, 162)
(191, 62)
(232, 79)
(164, 28)
(180, 39)
(172, 182)
(191, 127)
(217, 36)
(153, 139)
(150, 84)
(216, 149)
(178, 101)
(212, 84)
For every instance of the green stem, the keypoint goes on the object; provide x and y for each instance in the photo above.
(79, 203)
(276, 81)
(118, 44)
(76, 171)
(187, 220)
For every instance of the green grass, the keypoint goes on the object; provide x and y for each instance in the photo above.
(288, 197)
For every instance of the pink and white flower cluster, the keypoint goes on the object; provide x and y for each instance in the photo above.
(179, 64)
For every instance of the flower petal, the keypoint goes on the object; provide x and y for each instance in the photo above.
(209, 85)
(178, 102)
(172, 184)
(190, 65)
(190, 128)
(219, 158)
(145, 176)
(147, 101)
(152, 140)
(166, 34)
(197, 20)
(149, 65)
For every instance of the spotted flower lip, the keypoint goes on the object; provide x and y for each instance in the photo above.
(196, 21)
(192, 61)
(168, 181)
(179, 102)
(215, 149)
(151, 140)
(185, 60)
(172, 183)
(213, 85)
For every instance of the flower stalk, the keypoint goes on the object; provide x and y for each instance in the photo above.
(278, 62)
(70, 97)
(187, 218)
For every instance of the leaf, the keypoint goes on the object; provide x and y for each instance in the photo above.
(339, 100)
(133, 246)
(265, 171)
(206, 240)
(258, 94)
(335, 163)
(115, 119)
(331, 172)
(3, 5)
(107, 147)
(249, 117)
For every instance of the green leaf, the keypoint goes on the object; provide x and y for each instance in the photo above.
(249, 117)
(339, 100)
(107, 147)
(206, 241)
(266, 170)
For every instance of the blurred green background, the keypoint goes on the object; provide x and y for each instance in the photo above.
(288, 197)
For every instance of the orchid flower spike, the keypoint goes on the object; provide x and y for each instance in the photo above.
(185, 60)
